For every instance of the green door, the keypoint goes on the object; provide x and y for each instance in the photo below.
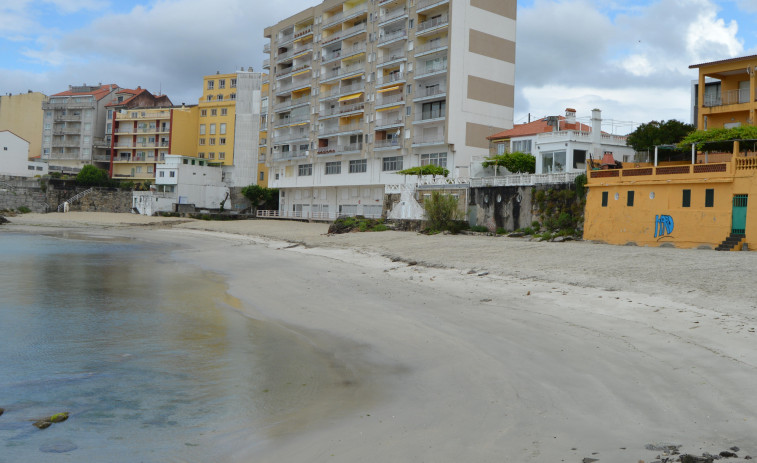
(739, 214)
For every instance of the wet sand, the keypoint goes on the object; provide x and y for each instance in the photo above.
(470, 348)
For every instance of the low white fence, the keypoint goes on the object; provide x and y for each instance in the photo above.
(524, 179)
(270, 214)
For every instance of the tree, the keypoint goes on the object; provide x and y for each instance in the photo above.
(515, 162)
(428, 169)
(646, 136)
(92, 176)
(719, 139)
(259, 196)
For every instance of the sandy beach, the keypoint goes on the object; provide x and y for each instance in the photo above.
(476, 348)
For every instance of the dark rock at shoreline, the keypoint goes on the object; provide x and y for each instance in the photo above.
(2, 410)
(4, 220)
(42, 424)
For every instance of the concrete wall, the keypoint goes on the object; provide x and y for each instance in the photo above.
(16, 192)
(508, 207)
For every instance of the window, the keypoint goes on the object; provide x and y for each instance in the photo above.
(209, 98)
(172, 174)
(221, 83)
(202, 141)
(201, 156)
(392, 163)
(222, 129)
(110, 114)
(358, 166)
(203, 112)
(434, 109)
(211, 155)
(262, 176)
(629, 200)
(211, 84)
(686, 202)
(222, 141)
(333, 168)
(162, 173)
(27, 167)
(211, 141)
(224, 111)
(213, 112)
(139, 169)
(523, 146)
(233, 83)
(219, 97)
(304, 170)
(604, 198)
(709, 197)
(233, 96)
(436, 159)
(501, 148)
(149, 169)
(202, 129)
(553, 161)
(212, 129)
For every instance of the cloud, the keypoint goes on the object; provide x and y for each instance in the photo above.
(570, 50)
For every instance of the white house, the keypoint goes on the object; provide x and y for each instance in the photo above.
(562, 144)
(14, 157)
(183, 180)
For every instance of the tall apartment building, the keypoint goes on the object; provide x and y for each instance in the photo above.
(73, 131)
(363, 88)
(22, 115)
(263, 134)
(229, 126)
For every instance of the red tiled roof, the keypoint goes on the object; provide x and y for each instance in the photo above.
(538, 126)
(99, 94)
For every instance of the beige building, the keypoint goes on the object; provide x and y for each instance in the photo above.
(361, 89)
(22, 115)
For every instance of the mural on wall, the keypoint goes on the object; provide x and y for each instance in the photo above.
(663, 225)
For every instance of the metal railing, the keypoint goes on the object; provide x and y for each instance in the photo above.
(431, 70)
(393, 57)
(387, 121)
(61, 206)
(433, 91)
(343, 109)
(391, 14)
(392, 143)
(426, 3)
(434, 22)
(426, 47)
(343, 90)
(727, 97)
(429, 140)
(388, 37)
(389, 78)
(524, 179)
(353, 127)
(389, 99)
(317, 215)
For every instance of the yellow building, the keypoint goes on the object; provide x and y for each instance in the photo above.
(726, 93)
(215, 136)
(22, 114)
(263, 135)
(688, 205)
(145, 129)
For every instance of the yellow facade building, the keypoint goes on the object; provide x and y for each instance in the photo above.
(215, 135)
(685, 205)
(263, 135)
(22, 114)
(726, 94)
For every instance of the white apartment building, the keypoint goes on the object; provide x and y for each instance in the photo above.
(361, 89)
(73, 130)
(14, 157)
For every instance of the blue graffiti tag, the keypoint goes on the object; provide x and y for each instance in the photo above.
(663, 225)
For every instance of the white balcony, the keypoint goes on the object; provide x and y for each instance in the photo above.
(387, 37)
(345, 128)
(431, 24)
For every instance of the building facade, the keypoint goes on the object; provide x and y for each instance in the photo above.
(73, 132)
(362, 89)
(228, 132)
(22, 115)
(14, 157)
(562, 144)
(726, 93)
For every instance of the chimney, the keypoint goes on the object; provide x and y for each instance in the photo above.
(596, 133)
(570, 115)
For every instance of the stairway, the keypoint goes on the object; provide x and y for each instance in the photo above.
(731, 243)
(84, 193)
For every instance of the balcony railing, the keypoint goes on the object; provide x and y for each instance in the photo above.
(303, 32)
(292, 102)
(441, 67)
(341, 72)
(432, 91)
(427, 3)
(392, 143)
(266, 63)
(284, 155)
(345, 89)
(442, 20)
(392, 57)
(428, 46)
(343, 109)
(389, 36)
(389, 99)
(434, 139)
(353, 127)
(339, 149)
(727, 97)
(345, 33)
(389, 78)
(339, 17)
(524, 179)
(391, 14)
(388, 121)
(267, 48)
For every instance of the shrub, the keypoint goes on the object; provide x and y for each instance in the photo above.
(24, 210)
(565, 220)
(501, 231)
(358, 223)
(580, 182)
(428, 169)
(527, 231)
(441, 212)
(515, 162)
(479, 228)
(92, 176)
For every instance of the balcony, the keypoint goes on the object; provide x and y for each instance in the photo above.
(426, 4)
(303, 32)
(388, 37)
(437, 139)
(339, 149)
(386, 59)
(267, 63)
(431, 92)
(392, 14)
(430, 116)
(432, 24)
(345, 15)
(431, 70)
(389, 121)
(345, 109)
(343, 72)
(343, 90)
(394, 143)
(345, 128)
(390, 78)
(431, 46)
(267, 48)
(291, 103)
(286, 39)
(287, 155)
(67, 118)
(389, 99)
(727, 97)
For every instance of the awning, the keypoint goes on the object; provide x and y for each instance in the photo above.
(351, 97)
(301, 73)
(301, 54)
(396, 87)
(301, 123)
(389, 108)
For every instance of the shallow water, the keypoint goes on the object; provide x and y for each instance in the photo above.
(147, 356)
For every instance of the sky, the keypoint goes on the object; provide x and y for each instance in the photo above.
(629, 58)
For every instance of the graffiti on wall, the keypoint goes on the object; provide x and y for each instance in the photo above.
(663, 225)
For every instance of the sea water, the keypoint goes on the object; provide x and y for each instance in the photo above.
(149, 358)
